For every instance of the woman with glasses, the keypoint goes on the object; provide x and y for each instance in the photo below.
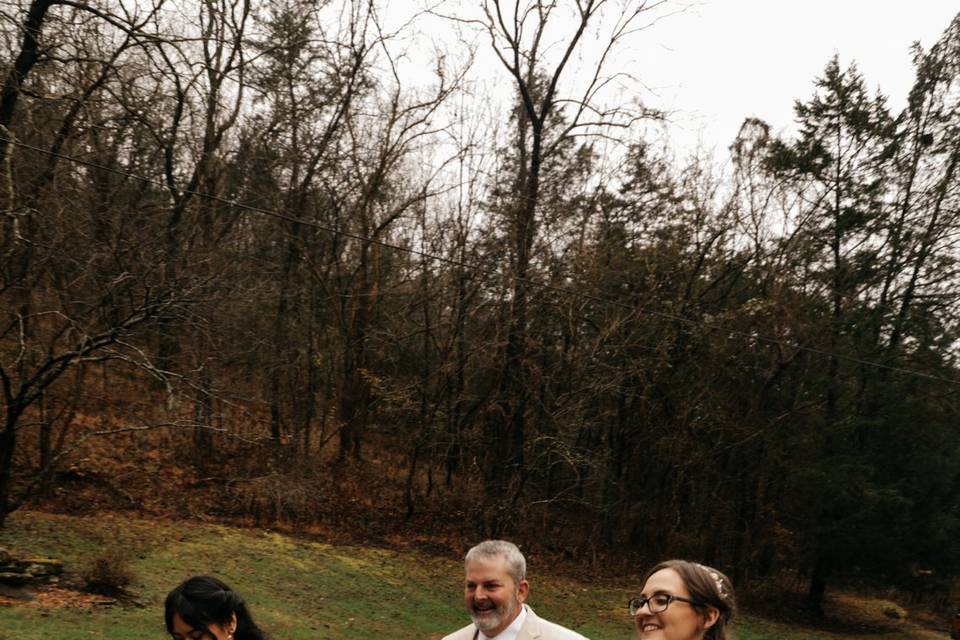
(683, 601)
(204, 608)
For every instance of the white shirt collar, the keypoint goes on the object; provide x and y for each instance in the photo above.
(511, 632)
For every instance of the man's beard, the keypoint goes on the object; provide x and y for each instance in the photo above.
(492, 618)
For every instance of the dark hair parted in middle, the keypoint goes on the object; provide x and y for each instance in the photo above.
(202, 601)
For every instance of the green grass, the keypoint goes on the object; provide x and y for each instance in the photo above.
(297, 589)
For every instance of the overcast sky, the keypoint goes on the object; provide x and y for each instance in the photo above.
(722, 60)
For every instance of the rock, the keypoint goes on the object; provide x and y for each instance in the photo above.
(8, 562)
(17, 593)
(18, 575)
(16, 579)
(892, 612)
(45, 567)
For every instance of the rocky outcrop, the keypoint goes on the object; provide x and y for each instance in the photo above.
(18, 575)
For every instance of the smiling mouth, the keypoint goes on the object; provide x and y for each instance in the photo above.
(649, 627)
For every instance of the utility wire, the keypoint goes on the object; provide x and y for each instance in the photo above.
(487, 271)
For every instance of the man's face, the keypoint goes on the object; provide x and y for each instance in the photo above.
(492, 598)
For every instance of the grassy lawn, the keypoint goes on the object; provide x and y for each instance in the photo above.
(298, 589)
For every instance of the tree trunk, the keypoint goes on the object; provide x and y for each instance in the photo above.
(818, 585)
(8, 444)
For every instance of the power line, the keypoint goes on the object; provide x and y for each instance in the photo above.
(484, 270)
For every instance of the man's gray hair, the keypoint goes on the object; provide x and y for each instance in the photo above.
(516, 563)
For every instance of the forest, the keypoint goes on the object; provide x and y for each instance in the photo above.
(286, 252)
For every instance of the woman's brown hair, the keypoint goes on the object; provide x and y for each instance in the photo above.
(708, 588)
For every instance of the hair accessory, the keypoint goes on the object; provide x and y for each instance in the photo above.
(716, 578)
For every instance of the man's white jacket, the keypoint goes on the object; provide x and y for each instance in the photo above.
(533, 627)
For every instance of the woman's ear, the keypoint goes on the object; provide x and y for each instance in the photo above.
(710, 617)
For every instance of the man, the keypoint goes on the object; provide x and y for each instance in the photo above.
(495, 590)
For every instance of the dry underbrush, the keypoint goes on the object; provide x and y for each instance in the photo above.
(242, 478)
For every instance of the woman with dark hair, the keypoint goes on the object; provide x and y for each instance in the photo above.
(683, 601)
(204, 608)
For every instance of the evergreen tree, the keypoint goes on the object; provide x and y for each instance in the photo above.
(838, 165)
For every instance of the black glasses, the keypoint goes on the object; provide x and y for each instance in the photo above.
(657, 602)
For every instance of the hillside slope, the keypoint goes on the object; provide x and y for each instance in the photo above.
(298, 588)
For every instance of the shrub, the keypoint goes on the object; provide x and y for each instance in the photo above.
(108, 574)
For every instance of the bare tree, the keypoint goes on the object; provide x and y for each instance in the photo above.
(522, 35)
